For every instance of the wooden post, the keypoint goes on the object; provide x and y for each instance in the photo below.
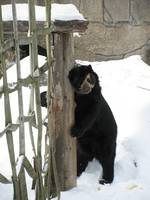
(63, 112)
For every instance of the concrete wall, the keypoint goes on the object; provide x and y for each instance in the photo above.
(117, 28)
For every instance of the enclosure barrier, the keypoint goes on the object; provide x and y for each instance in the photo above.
(60, 160)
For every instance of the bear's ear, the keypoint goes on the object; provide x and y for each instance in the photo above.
(90, 67)
(71, 74)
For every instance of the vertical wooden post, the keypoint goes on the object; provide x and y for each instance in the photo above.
(52, 188)
(63, 111)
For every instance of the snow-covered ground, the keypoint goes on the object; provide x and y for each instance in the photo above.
(126, 87)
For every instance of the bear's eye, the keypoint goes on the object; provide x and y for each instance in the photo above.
(88, 79)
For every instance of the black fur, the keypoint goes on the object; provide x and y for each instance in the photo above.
(43, 97)
(95, 127)
(24, 51)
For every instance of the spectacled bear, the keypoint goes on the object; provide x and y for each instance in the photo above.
(95, 126)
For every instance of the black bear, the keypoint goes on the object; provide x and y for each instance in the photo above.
(24, 51)
(95, 127)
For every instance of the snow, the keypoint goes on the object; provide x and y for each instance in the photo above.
(126, 87)
(63, 12)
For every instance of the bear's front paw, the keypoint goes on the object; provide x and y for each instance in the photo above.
(75, 131)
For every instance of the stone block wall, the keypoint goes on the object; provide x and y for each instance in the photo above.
(117, 28)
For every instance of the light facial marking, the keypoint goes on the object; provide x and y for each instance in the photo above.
(86, 87)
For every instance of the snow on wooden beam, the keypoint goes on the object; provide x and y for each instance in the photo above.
(65, 18)
(63, 12)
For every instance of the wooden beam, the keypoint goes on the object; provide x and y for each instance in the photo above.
(58, 26)
(63, 111)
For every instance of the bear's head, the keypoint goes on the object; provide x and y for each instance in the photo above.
(82, 79)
